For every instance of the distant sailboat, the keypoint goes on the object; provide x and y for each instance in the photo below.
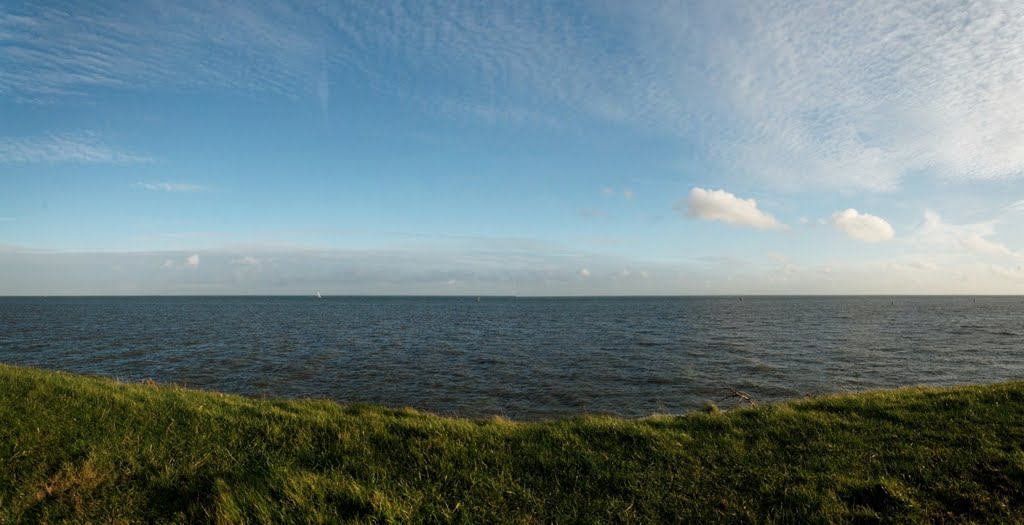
(318, 296)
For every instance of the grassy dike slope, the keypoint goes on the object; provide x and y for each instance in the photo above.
(79, 449)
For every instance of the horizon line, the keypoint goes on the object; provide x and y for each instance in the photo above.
(520, 296)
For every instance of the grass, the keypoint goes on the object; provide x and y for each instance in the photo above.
(80, 449)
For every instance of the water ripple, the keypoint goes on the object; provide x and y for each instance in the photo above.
(522, 358)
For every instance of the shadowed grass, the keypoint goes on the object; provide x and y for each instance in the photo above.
(81, 449)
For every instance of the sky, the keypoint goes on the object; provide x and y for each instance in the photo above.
(511, 148)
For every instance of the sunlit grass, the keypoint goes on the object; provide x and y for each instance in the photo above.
(79, 449)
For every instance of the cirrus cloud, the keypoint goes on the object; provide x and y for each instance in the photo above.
(794, 94)
(71, 148)
(720, 205)
(169, 186)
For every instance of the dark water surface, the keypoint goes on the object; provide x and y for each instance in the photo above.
(523, 358)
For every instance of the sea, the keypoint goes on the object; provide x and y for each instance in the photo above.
(523, 358)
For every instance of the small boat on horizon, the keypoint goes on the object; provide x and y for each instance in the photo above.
(318, 296)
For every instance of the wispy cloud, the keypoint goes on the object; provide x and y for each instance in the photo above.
(626, 193)
(720, 205)
(593, 213)
(850, 96)
(1016, 207)
(524, 63)
(975, 238)
(794, 94)
(70, 49)
(170, 186)
(76, 148)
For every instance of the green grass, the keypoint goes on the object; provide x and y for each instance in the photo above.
(80, 449)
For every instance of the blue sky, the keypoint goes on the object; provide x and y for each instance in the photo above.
(529, 148)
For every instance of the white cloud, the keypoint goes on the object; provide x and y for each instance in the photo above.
(628, 194)
(977, 243)
(247, 261)
(584, 272)
(76, 148)
(973, 238)
(169, 186)
(862, 226)
(720, 205)
(191, 261)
